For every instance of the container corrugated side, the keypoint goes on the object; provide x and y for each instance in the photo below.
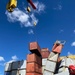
(33, 67)
(35, 48)
(15, 72)
(62, 69)
(22, 64)
(8, 66)
(22, 72)
(66, 62)
(34, 58)
(44, 61)
(50, 66)
(47, 73)
(15, 65)
(54, 58)
(69, 61)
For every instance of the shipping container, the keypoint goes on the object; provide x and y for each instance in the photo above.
(35, 48)
(45, 54)
(22, 64)
(69, 62)
(47, 73)
(7, 73)
(33, 67)
(8, 66)
(62, 69)
(22, 72)
(53, 56)
(34, 58)
(50, 66)
(44, 61)
(66, 62)
(15, 65)
(58, 49)
(63, 73)
(15, 72)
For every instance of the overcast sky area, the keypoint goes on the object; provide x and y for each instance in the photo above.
(55, 20)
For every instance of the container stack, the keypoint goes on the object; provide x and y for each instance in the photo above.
(34, 60)
(65, 63)
(52, 60)
(16, 68)
(44, 53)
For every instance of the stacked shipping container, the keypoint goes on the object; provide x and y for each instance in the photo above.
(34, 60)
(52, 60)
(16, 68)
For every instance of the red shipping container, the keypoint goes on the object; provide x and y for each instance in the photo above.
(35, 48)
(54, 46)
(45, 53)
(33, 73)
(58, 49)
(33, 67)
(34, 58)
(44, 49)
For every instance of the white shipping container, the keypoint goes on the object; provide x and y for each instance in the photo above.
(47, 73)
(15, 65)
(73, 61)
(8, 66)
(63, 62)
(63, 73)
(62, 69)
(44, 61)
(69, 61)
(22, 72)
(66, 62)
(50, 66)
(51, 54)
(22, 64)
(54, 57)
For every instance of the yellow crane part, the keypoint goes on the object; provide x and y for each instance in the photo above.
(28, 9)
(34, 23)
(62, 57)
(11, 5)
(71, 56)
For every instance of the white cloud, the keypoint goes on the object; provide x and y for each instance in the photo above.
(74, 31)
(2, 58)
(34, 19)
(30, 31)
(73, 43)
(26, 19)
(69, 53)
(20, 16)
(40, 7)
(58, 7)
(14, 57)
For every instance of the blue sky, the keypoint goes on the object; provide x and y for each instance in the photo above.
(55, 21)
